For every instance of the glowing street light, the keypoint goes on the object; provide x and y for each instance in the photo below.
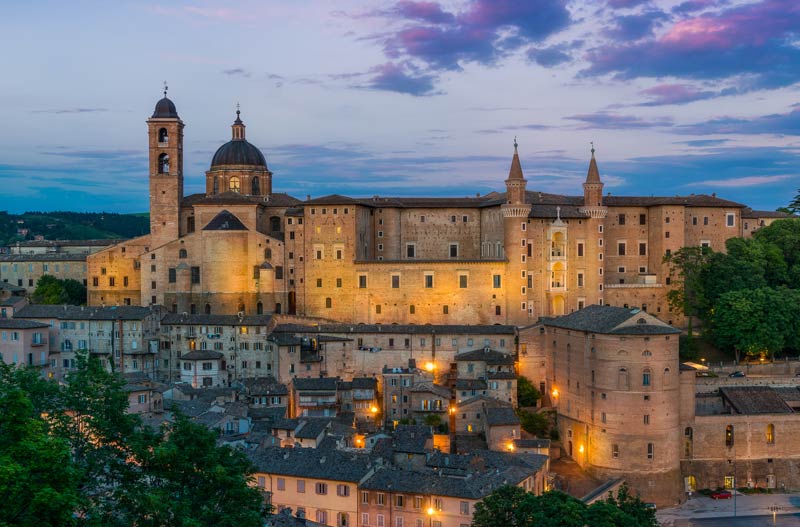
(430, 366)
(374, 409)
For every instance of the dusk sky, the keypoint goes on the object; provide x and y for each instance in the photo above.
(404, 98)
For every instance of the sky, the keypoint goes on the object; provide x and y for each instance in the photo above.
(404, 98)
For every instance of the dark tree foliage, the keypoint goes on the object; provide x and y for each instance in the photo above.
(71, 225)
(746, 296)
(527, 394)
(513, 507)
(76, 457)
(51, 290)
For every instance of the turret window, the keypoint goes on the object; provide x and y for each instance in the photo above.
(163, 136)
(256, 187)
(163, 164)
(234, 184)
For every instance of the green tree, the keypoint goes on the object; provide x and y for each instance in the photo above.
(76, 457)
(51, 290)
(37, 480)
(527, 394)
(534, 423)
(685, 270)
(190, 481)
(758, 321)
(513, 507)
(794, 205)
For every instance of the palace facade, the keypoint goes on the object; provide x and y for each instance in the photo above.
(504, 257)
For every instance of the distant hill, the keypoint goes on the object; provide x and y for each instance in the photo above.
(71, 226)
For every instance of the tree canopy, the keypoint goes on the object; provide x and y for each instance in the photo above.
(746, 297)
(514, 507)
(51, 290)
(72, 455)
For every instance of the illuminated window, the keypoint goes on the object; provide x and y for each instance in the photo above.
(234, 184)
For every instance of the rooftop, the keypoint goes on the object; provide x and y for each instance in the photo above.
(752, 400)
(612, 320)
(67, 312)
(487, 355)
(184, 319)
(426, 329)
(333, 465)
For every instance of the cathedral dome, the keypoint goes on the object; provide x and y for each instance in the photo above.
(165, 108)
(238, 151)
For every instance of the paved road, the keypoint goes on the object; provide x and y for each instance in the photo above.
(781, 520)
(750, 510)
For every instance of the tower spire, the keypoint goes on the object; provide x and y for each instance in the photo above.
(593, 175)
(165, 89)
(238, 126)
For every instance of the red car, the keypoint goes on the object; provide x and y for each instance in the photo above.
(721, 495)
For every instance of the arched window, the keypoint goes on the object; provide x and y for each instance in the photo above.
(207, 309)
(163, 164)
(163, 137)
(622, 379)
(182, 253)
(233, 184)
(256, 187)
(216, 185)
(260, 308)
(267, 254)
(729, 436)
(770, 434)
(646, 353)
(667, 377)
(275, 224)
(646, 377)
(328, 303)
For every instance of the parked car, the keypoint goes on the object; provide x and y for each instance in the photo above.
(721, 495)
(737, 374)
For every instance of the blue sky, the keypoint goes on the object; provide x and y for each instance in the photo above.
(405, 97)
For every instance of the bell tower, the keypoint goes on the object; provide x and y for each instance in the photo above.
(165, 142)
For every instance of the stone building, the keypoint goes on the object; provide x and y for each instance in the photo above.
(25, 343)
(238, 345)
(24, 270)
(125, 337)
(505, 257)
(613, 375)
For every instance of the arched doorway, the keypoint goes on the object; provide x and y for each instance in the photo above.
(557, 306)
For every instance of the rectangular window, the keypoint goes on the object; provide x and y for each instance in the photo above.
(395, 281)
(650, 451)
(642, 249)
(705, 220)
(730, 219)
(172, 275)
(621, 248)
(646, 419)
(342, 490)
(496, 281)
(642, 219)
(580, 279)
(380, 498)
(580, 248)
(622, 219)
(322, 517)
(417, 502)
(362, 281)
(453, 250)
(379, 519)
(281, 484)
(399, 501)
(464, 508)
(615, 451)
(411, 250)
(365, 518)
(462, 281)
(365, 497)
(321, 488)
(429, 281)
(319, 282)
(195, 275)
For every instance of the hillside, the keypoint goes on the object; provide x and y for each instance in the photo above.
(70, 226)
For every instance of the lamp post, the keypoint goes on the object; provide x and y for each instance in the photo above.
(430, 512)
